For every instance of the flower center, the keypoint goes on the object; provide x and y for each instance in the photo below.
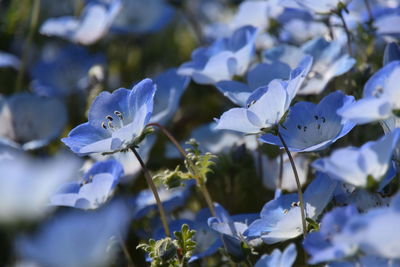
(113, 122)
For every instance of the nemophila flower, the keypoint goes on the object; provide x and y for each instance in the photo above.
(386, 20)
(78, 238)
(381, 97)
(271, 169)
(8, 60)
(322, 246)
(207, 240)
(222, 60)
(258, 76)
(357, 166)
(170, 87)
(93, 24)
(280, 217)
(311, 127)
(30, 121)
(153, 16)
(323, 6)
(278, 258)
(329, 61)
(116, 120)
(95, 188)
(63, 71)
(291, 31)
(392, 53)
(231, 229)
(171, 199)
(26, 184)
(267, 105)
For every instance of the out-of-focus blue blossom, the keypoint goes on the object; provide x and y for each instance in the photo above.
(380, 97)
(78, 238)
(222, 60)
(63, 71)
(95, 188)
(170, 87)
(386, 21)
(329, 62)
(392, 53)
(115, 120)
(207, 240)
(27, 123)
(288, 183)
(26, 184)
(8, 60)
(278, 258)
(266, 106)
(93, 24)
(356, 165)
(258, 76)
(299, 31)
(152, 17)
(319, 244)
(311, 127)
(280, 217)
(215, 141)
(323, 6)
(231, 229)
(171, 199)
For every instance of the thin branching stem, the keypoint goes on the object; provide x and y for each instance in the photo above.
(202, 186)
(300, 193)
(153, 188)
(280, 181)
(348, 34)
(368, 7)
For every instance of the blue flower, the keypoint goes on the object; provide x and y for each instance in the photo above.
(8, 60)
(322, 6)
(267, 105)
(280, 218)
(64, 71)
(96, 187)
(207, 240)
(386, 21)
(171, 199)
(329, 62)
(170, 87)
(392, 53)
(153, 16)
(93, 24)
(222, 60)
(27, 123)
(311, 127)
(78, 238)
(231, 229)
(356, 165)
(26, 184)
(380, 97)
(278, 258)
(115, 120)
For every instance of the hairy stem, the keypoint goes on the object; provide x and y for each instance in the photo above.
(153, 188)
(296, 176)
(202, 186)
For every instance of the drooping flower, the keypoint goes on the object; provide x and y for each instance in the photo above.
(278, 258)
(381, 97)
(357, 165)
(27, 123)
(26, 184)
(222, 60)
(116, 120)
(311, 127)
(280, 217)
(92, 25)
(96, 187)
(78, 238)
(267, 105)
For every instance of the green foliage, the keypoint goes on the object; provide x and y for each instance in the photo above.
(167, 252)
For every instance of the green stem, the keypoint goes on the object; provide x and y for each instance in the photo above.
(153, 188)
(348, 34)
(202, 186)
(28, 43)
(368, 6)
(126, 251)
(300, 193)
(280, 170)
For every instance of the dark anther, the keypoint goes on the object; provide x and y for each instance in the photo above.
(108, 117)
(323, 119)
(305, 128)
(316, 117)
(298, 127)
(103, 125)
